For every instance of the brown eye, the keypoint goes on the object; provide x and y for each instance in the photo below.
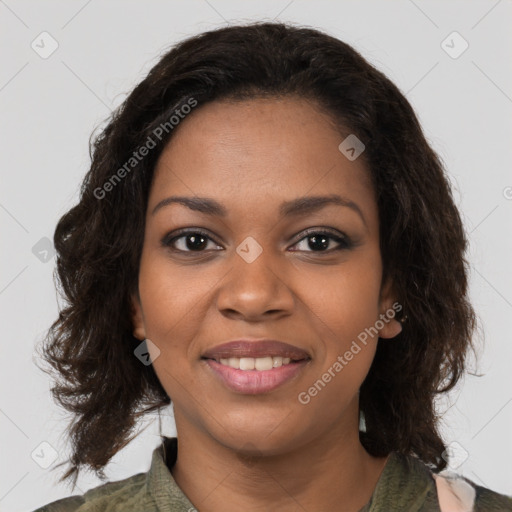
(322, 241)
(188, 241)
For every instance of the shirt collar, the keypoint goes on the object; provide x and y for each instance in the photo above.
(404, 478)
(161, 484)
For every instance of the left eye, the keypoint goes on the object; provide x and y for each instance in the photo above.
(322, 239)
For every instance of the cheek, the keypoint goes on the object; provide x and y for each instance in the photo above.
(171, 310)
(169, 293)
(349, 309)
(350, 299)
(172, 305)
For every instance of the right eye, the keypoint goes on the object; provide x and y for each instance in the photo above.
(192, 240)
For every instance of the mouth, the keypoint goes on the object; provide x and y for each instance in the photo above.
(255, 367)
(252, 350)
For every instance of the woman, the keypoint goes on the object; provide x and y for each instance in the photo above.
(265, 238)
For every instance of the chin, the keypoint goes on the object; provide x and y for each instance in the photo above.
(259, 437)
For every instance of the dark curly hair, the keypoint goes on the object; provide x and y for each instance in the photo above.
(99, 241)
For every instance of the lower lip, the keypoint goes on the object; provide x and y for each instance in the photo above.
(254, 382)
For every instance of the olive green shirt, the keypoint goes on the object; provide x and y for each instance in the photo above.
(405, 484)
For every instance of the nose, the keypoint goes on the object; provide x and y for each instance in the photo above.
(255, 290)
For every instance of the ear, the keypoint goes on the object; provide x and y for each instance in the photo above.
(139, 331)
(388, 307)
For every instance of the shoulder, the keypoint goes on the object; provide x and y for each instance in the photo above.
(409, 484)
(151, 491)
(456, 492)
(487, 499)
(99, 498)
(64, 505)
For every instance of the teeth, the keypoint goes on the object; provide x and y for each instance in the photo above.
(255, 363)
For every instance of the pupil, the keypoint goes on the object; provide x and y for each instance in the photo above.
(321, 241)
(194, 239)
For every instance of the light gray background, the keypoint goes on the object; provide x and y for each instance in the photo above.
(49, 107)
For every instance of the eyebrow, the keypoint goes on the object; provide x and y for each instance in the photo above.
(295, 207)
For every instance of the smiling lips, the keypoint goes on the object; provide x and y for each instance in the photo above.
(254, 367)
(255, 349)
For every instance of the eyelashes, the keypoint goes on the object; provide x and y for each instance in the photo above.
(193, 234)
(200, 241)
(320, 235)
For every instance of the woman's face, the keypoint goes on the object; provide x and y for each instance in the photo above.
(263, 269)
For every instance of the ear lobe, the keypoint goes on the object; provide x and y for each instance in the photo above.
(139, 331)
(392, 326)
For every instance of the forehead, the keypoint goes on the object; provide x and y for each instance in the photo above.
(257, 150)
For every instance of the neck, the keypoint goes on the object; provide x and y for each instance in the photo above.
(330, 472)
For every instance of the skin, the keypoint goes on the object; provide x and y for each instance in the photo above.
(266, 451)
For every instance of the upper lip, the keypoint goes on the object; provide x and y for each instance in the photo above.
(255, 348)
